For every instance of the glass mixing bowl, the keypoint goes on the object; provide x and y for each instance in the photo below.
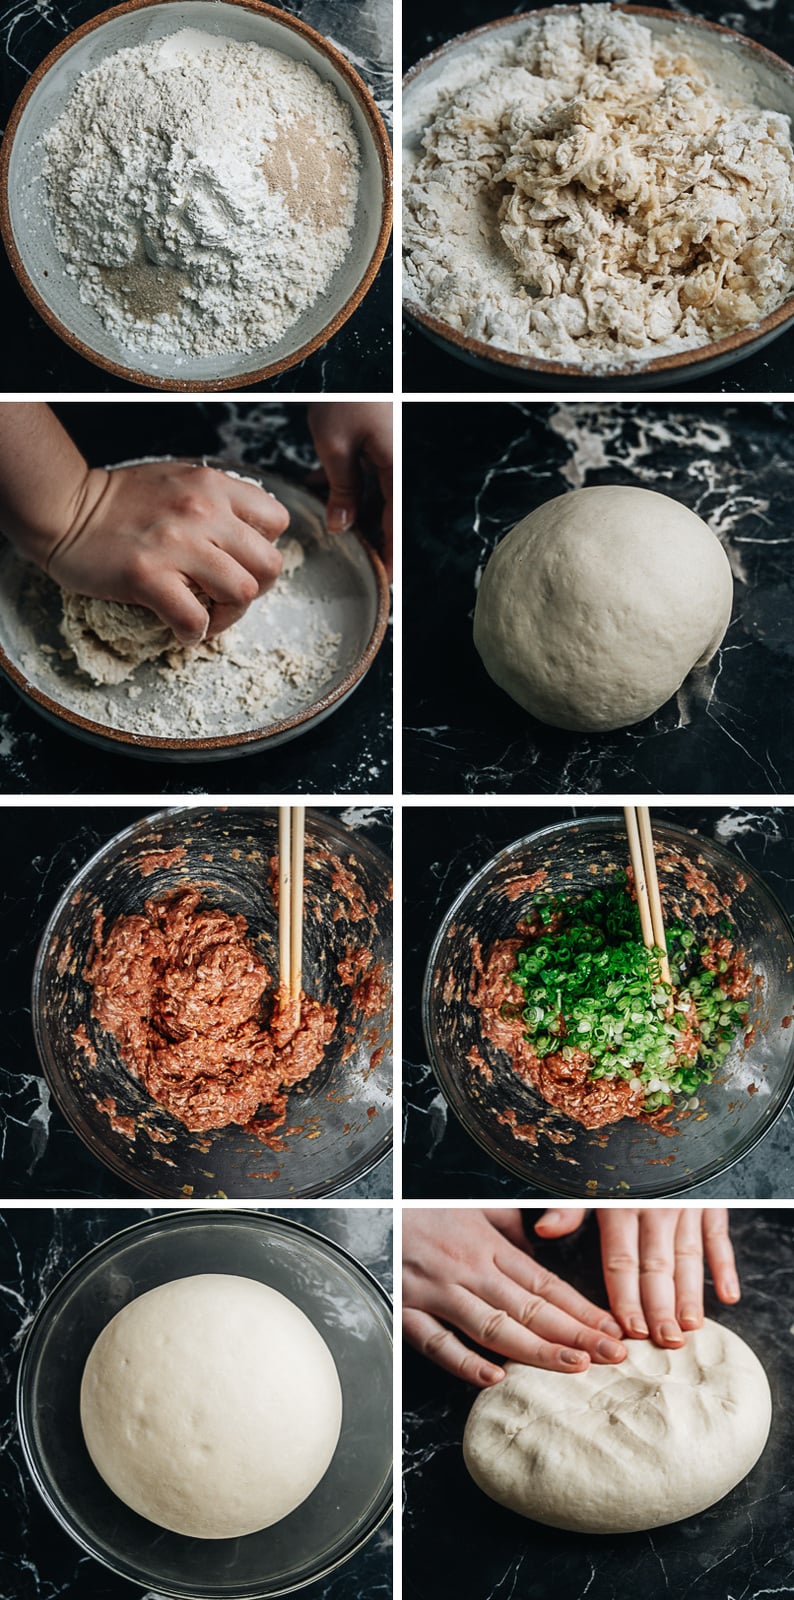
(509, 1119)
(351, 1311)
(338, 1122)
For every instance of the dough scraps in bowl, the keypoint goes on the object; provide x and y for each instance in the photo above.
(589, 192)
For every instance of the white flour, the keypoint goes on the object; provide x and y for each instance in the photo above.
(588, 193)
(243, 679)
(202, 191)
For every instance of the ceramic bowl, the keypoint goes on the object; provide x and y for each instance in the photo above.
(342, 582)
(338, 1124)
(507, 1117)
(761, 73)
(26, 228)
(340, 1297)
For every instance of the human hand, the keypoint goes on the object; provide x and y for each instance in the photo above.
(153, 535)
(653, 1264)
(350, 436)
(472, 1269)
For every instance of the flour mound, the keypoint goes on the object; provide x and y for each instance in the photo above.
(202, 191)
(591, 194)
(109, 639)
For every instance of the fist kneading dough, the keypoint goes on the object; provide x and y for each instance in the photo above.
(211, 1405)
(618, 1449)
(592, 611)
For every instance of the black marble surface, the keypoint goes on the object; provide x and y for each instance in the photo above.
(442, 849)
(349, 753)
(477, 469)
(37, 1560)
(428, 369)
(457, 1543)
(40, 1156)
(360, 356)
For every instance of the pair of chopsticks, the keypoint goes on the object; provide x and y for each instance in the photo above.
(646, 882)
(291, 831)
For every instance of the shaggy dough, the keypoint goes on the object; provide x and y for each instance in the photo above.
(110, 640)
(591, 193)
(592, 611)
(211, 1405)
(621, 1449)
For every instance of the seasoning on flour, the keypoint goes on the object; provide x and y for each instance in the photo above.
(590, 192)
(202, 191)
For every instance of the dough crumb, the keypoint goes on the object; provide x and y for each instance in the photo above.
(109, 639)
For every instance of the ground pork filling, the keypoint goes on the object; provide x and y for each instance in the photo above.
(192, 1008)
(563, 1083)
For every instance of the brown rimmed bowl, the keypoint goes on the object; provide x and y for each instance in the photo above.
(341, 572)
(508, 1118)
(24, 221)
(765, 77)
(339, 1122)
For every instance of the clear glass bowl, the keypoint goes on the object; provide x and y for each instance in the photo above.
(552, 1152)
(339, 1119)
(351, 1311)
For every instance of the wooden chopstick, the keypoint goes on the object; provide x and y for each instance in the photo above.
(646, 881)
(296, 938)
(284, 900)
(638, 868)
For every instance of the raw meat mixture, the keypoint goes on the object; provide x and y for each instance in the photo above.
(191, 1006)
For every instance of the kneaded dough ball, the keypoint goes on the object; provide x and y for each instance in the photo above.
(620, 1449)
(592, 611)
(211, 1405)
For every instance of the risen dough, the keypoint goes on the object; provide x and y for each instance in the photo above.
(592, 611)
(211, 1405)
(619, 1449)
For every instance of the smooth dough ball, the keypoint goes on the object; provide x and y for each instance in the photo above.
(619, 1449)
(211, 1405)
(592, 611)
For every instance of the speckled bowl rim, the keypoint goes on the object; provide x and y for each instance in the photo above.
(149, 1224)
(271, 369)
(520, 1165)
(104, 1154)
(685, 361)
(234, 743)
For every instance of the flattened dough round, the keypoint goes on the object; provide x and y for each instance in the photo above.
(592, 611)
(211, 1405)
(619, 1449)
